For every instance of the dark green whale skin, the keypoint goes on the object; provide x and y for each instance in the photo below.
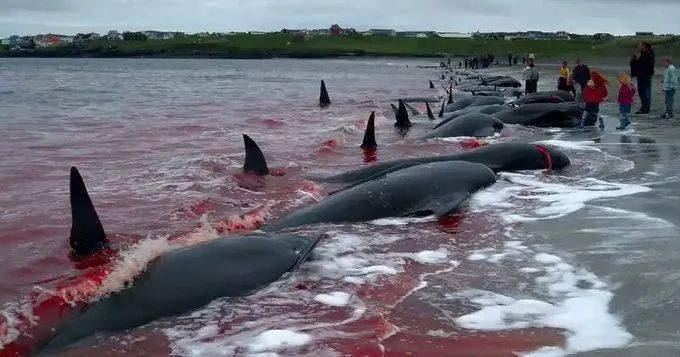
(186, 279)
(434, 188)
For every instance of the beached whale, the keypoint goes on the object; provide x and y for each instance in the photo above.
(476, 125)
(437, 188)
(564, 115)
(501, 81)
(554, 96)
(484, 109)
(472, 101)
(180, 280)
(498, 157)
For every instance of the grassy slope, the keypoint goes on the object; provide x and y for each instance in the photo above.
(249, 46)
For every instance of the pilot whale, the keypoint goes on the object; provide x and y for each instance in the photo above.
(498, 157)
(437, 188)
(476, 125)
(178, 282)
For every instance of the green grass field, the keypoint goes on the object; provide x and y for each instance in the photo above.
(280, 45)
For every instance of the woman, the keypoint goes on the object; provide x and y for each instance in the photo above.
(563, 81)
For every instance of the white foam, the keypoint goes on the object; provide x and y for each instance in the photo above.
(575, 145)
(476, 257)
(431, 256)
(272, 340)
(547, 258)
(547, 200)
(336, 298)
(402, 221)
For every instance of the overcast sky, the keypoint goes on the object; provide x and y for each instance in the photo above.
(578, 16)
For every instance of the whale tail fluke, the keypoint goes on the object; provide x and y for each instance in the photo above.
(429, 111)
(431, 85)
(255, 162)
(87, 234)
(402, 116)
(441, 110)
(369, 142)
(324, 99)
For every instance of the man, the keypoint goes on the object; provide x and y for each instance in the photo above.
(580, 75)
(670, 86)
(509, 59)
(642, 67)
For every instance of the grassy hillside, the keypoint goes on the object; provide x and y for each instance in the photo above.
(280, 45)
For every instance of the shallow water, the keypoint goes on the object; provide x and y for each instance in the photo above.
(579, 261)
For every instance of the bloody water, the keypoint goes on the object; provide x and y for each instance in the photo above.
(159, 145)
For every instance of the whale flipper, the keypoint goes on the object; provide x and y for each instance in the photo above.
(87, 234)
(255, 161)
(429, 111)
(369, 135)
(448, 204)
(431, 85)
(324, 99)
(402, 116)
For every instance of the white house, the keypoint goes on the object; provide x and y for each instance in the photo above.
(454, 34)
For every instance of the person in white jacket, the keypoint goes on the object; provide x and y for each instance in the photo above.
(670, 86)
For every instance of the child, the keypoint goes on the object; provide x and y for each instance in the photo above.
(670, 86)
(531, 78)
(594, 94)
(563, 81)
(626, 95)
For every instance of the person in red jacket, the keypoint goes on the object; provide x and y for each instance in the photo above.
(626, 97)
(594, 94)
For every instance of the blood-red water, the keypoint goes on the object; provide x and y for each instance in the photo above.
(159, 145)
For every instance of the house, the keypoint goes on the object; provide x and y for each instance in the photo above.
(453, 35)
(644, 34)
(382, 32)
(5, 42)
(48, 40)
(258, 33)
(601, 36)
(159, 35)
(416, 34)
(335, 30)
(114, 35)
(85, 37)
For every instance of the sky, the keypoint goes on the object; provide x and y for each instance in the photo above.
(25, 17)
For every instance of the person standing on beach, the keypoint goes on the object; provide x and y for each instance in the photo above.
(509, 59)
(642, 67)
(563, 81)
(595, 93)
(670, 86)
(531, 78)
(626, 98)
(580, 75)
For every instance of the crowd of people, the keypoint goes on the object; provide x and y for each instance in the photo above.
(590, 87)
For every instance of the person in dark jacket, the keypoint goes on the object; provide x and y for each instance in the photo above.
(642, 68)
(581, 76)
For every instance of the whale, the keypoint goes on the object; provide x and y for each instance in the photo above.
(555, 96)
(484, 109)
(402, 121)
(437, 188)
(564, 115)
(324, 98)
(472, 101)
(180, 280)
(501, 81)
(476, 125)
(369, 143)
(498, 157)
(254, 162)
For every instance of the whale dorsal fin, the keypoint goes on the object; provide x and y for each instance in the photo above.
(431, 85)
(394, 108)
(255, 162)
(324, 99)
(369, 135)
(402, 116)
(441, 111)
(450, 95)
(87, 234)
(429, 111)
(413, 110)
